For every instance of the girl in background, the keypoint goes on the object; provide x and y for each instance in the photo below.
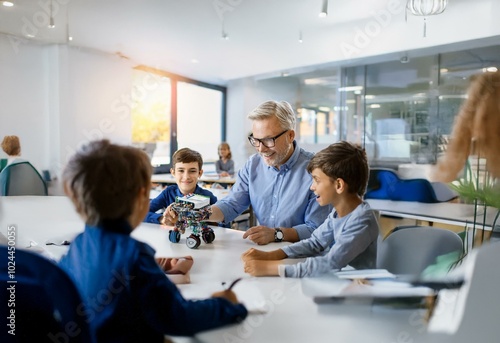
(225, 165)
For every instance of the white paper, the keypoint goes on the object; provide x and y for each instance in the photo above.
(246, 292)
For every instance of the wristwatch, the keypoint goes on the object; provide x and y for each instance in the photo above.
(278, 235)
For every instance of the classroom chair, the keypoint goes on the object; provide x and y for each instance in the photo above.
(21, 179)
(385, 184)
(410, 249)
(470, 314)
(48, 307)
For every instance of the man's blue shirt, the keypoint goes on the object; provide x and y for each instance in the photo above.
(167, 196)
(279, 198)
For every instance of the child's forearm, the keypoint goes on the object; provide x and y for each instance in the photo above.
(262, 268)
(217, 215)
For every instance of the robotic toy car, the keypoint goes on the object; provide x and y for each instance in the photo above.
(192, 211)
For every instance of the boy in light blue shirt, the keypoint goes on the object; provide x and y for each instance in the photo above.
(349, 234)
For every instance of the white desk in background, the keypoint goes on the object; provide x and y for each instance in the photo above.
(441, 212)
(290, 315)
(209, 178)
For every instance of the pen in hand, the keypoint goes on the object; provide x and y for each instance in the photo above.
(232, 284)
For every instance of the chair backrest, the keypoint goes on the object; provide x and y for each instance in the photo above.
(48, 307)
(474, 314)
(21, 179)
(386, 184)
(410, 249)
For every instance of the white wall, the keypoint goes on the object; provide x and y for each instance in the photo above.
(24, 107)
(56, 97)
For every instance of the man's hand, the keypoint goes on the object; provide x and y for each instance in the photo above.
(262, 268)
(260, 234)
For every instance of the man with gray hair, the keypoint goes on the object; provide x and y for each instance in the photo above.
(274, 181)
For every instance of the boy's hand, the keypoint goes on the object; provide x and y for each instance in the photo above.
(169, 216)
(227, 294)
(262, 268)
(260, 234)
(254, 254)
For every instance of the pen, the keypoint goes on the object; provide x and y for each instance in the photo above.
(232, 284)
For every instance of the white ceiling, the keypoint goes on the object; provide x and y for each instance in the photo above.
(169, 34)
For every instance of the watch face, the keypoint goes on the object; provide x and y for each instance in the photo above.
(279, 235)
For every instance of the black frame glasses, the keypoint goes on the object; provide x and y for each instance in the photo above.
(267, 142)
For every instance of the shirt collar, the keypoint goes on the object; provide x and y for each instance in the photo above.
(113, 225)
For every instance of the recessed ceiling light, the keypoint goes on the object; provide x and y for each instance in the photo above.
(492, 69)
(70, 38)
(30, 35)
(7, 3)
(194, 60)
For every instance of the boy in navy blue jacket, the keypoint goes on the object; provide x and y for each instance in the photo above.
(126, 294)
(187, 169)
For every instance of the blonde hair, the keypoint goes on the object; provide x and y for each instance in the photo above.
(226, 145)
(11, 145)
(104, 179)
(478, 121)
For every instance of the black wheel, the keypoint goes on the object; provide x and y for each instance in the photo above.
(193, 242)
(208, 236)
(174, 236)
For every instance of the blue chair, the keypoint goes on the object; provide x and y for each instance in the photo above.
(21, 179)
(48, 307)
(386, 184)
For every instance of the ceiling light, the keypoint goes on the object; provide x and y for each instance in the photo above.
(375, 106)
(351, 89)
(224, 34)
(300, 37)
(324, 108)
(426, 8)
(492, 69)
(324, 9)
(51, 20)
(70, 38)
(7, 3)
(194, 60)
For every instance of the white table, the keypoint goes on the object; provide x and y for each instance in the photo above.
(441, 212)
(291, 316)
(169, 178)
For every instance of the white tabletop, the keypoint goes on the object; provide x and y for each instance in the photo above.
(290, 315)
(442, 212)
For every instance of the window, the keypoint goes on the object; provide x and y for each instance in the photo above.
(171, 112)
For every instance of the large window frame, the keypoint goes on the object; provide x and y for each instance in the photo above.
(175, 79)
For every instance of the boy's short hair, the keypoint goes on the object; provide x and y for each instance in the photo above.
(346, 161)
(103, 180)
(186, 155)
(11, 145)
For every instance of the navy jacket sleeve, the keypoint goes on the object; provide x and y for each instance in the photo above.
(168, 312)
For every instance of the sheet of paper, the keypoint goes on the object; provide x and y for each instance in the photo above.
(246, 292)
(368, 274)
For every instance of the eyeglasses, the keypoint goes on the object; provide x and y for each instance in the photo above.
(267, 142)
